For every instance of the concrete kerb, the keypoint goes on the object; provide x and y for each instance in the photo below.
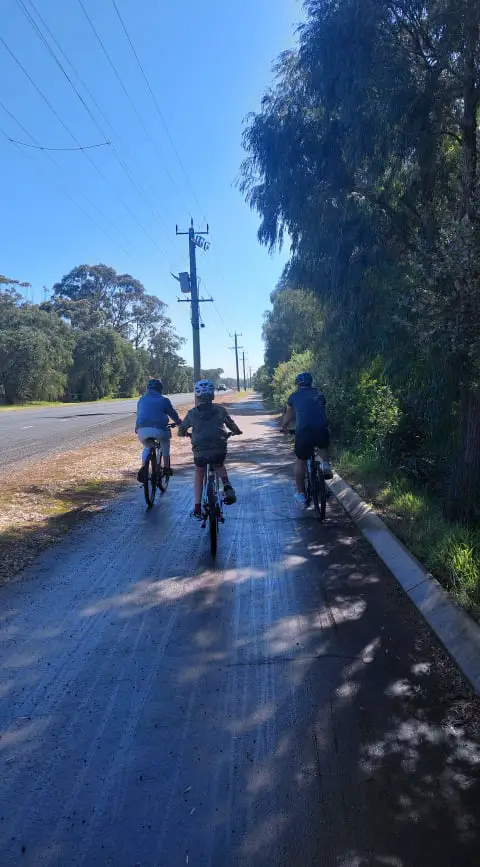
(453, 627)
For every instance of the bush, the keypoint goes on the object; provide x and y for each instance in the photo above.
(283, 381)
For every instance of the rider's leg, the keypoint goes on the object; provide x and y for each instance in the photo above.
(323, 449)
(145, 434)
(300, 467)
(198, 489)
(229, 493)
(165, 441)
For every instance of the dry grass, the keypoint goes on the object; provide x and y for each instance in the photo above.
(41, 501)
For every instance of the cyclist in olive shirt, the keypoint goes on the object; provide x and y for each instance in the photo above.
(307, 406)
(209, 441)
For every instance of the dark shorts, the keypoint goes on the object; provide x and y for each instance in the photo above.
(202, 460)
(307, 440)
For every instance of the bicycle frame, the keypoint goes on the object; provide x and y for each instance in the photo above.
(210, 475)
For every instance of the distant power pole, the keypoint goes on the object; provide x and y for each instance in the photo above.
(250, 376)
(244, 377)
(236, 348)
(194, 240)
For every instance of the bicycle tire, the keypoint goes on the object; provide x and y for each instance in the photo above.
(319, 493)
(308, 487)
(150, 480)
(212, 518)
(162, 480)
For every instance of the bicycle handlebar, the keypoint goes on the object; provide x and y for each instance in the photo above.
(229, 434)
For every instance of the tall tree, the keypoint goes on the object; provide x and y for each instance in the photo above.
(362, 151)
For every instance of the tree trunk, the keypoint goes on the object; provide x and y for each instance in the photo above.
(471, 97)
(464, 495)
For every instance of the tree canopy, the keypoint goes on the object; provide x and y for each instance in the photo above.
(365, 151)
(99, 334)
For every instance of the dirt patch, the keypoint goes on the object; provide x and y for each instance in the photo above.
(41, 501)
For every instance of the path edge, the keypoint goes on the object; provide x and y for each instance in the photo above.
(456, 631)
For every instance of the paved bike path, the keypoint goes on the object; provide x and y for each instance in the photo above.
(284, 707)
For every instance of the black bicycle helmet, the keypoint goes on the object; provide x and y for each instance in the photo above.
(155, 385)
(305, 379)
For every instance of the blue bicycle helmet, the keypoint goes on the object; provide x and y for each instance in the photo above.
(304, 379)
(155, 385)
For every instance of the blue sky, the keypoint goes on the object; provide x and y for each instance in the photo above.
(208, 64)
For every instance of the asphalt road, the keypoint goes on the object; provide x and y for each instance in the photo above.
(284, 707)
(31, 433)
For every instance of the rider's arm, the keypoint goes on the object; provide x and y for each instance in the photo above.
(288, 417)
(172, 412)
(185, 424)
(229, 422)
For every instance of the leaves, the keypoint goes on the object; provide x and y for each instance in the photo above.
(365, 151)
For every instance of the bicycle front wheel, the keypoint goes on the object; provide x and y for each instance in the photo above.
(150, 480)
(212, 518)
(162, 478)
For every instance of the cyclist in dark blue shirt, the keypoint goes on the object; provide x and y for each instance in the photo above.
(307, 407)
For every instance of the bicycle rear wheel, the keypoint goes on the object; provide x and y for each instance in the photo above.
(308, 485)
(319, 492)
(150, 480)
(212, 518)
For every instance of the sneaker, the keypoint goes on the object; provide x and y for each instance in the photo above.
(141, 475)
(167, 471)
(229, 494)
(300, 500)
(327, 471)
(196, 515)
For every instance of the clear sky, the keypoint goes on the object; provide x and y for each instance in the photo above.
(208, 64)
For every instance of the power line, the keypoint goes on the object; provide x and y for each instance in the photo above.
(155, 102)
(25, 144)
(97, 106)
(68, 195)
(129, 98)
(59, 167)
(74, 138)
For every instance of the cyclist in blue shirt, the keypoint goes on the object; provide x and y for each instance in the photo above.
(153, 413)
(307, 407)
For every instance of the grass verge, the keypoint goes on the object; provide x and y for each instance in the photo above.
(449, 551)
(42, 404)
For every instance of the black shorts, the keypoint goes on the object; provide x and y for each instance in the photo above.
(307, 440)
(203, 460)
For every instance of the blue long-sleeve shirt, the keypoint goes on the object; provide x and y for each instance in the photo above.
(155, 410)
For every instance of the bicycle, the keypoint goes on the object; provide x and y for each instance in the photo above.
(212, 502)
(155, 475)
(315, 487)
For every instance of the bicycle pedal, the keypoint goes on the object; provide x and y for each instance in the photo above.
(203, 525)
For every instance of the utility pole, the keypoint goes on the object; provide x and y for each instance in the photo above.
(236, 348)
(244, 377)
(194, 240)
(250, 376)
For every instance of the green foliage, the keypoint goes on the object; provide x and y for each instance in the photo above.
(100, 334)
(98, 364)
(365, 151)
(283, 380)
(448, 549)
